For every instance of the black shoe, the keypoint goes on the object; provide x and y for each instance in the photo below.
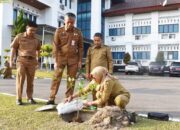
(31, 101)
(19, 102)
(50, 102)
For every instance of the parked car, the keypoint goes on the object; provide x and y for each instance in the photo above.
(174, 69)
(156, 68)
(134, 67)
(118, 68)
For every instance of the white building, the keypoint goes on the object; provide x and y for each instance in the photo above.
(48, 14)
(143, 28)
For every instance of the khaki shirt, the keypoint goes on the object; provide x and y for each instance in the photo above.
(99, 57)
(68, 46)
(108, 92)
(26, 46)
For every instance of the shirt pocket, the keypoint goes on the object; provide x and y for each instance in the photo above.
(27, 45)
(76, 38)
(74, 49)
(103, 53)
(64, 39)
(74, 44)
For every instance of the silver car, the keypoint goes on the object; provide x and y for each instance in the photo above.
(134, 67)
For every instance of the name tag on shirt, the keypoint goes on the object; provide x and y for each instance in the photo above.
(72, 43)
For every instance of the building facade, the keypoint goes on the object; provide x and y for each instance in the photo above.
(143, 28)
(140, 27)
(48, 14)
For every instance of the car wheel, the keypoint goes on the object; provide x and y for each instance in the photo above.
(140, 72)
(171, 75)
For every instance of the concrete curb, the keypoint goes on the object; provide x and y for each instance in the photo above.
(170, 119)
(39, 99)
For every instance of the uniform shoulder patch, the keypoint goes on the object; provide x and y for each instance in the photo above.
(106, 46)
(60, 28)
(19, 35)
(77, 29)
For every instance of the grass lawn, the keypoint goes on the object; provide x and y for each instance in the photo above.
(14, 117)
(43, 73)
(46, 74)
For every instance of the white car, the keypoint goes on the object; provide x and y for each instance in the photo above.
(134, 67)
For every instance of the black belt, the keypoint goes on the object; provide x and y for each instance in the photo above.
(28, 57)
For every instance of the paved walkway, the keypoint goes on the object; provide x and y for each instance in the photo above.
(155, 93)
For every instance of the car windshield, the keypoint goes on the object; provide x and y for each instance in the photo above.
(176, 64)
(132, 63)
(156, 63)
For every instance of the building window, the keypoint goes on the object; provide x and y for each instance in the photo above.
(30, 17)
(65, 2)
(169, 28)
(15, 14)
(84, 17)
(118, 55)
(113, 32)
(116, 31)
(170, 55)
(70, 3)
(59, 23)
(34, 19)
(142, 55)
(103, 18)
(141, 30)
(25, 15)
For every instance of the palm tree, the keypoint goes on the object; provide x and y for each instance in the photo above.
(20, 24)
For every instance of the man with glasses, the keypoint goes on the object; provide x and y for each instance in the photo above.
(67, 52)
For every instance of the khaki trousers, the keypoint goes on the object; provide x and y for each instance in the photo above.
(121, 101)
(25, 70)
(71, 72)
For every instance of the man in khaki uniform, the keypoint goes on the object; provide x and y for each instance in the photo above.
(68, 51)
(98, 55)
(28, 48)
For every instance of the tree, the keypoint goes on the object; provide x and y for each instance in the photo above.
(160, 57)
(6, 57)
(126, 58)
(46, 52)
(20, 24)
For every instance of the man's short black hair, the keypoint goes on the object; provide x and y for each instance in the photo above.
(32, 24)
(70, 15)
(98, 35)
